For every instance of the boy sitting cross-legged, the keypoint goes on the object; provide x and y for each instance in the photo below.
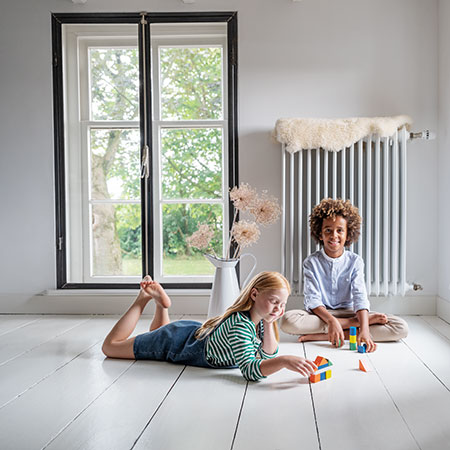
(335, 293)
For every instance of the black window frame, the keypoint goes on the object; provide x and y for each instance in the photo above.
(59, 19)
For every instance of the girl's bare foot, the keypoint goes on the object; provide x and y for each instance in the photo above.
(378, 318)
(152, 289)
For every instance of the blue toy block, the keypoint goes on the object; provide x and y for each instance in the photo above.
(362, 348)
(324, 365)
(352, 331)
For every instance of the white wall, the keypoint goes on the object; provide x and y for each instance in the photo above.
(314, 58)
(444, 161)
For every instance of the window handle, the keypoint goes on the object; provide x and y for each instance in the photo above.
(144, 162)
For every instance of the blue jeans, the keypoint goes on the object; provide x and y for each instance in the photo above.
(174, 342)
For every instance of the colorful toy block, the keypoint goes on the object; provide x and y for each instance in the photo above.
(352, 338)
(363, 366)
(316, 377)
(322, 362)
(362, 348)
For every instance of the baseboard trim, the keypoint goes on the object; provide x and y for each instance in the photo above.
(195, 303)
(443, 309)
(94, 304)
(408, 305)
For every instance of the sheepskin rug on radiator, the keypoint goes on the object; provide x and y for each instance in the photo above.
(334, 134)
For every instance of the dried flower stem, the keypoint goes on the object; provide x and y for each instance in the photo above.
(264, 209)
(230, 239)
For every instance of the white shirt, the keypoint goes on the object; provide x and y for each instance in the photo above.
(334, 282)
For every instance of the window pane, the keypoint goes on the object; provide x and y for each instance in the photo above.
(191, 83)
(114, 158)
(191, 163)
(116, 240)
(179, 222)
(114, 81)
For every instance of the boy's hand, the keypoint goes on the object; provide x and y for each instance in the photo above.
(335, 333)
(364, 337)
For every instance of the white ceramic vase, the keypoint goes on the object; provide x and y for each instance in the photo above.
(225, 289)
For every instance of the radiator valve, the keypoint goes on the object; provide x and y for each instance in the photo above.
(426, 135)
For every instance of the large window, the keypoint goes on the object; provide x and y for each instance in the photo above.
(145, 137)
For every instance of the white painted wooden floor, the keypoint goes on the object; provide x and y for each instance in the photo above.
(57, 391)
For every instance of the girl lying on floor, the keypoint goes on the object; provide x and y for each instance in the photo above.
(245, 336)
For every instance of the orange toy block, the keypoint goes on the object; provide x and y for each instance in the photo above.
(363, 366)
(316, 377)
(322, 362)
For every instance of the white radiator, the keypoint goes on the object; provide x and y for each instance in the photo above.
(372, 175)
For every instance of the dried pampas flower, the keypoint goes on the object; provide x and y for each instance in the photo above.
(201, 238)
(266, 210)
(245, 233)
(243, 197)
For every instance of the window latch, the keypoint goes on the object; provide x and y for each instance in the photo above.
(145, 162)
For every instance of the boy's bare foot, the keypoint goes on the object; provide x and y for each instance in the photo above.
(319, 337)
(378, 318)
(313, 337)
(152, 289)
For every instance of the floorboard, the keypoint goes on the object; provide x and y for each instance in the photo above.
(441, 326)
(30, 368)
(118, 416)
(281, 406)
(197, 317)
(200, 412)
(10, 323)
(25, 338)
(431, 347)
(420, 397)
(354, 411)
(55, 402)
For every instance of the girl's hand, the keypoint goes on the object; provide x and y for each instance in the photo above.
(298, 364)
(335, 333)
(364, 337)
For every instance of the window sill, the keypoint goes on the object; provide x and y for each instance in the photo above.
(120, 292)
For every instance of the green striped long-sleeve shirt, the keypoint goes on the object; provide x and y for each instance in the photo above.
(235, 341)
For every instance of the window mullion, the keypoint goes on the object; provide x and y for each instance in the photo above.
(111, 124)
(191, 123)
(145, 110)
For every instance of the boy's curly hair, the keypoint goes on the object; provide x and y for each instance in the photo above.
(329, 208)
